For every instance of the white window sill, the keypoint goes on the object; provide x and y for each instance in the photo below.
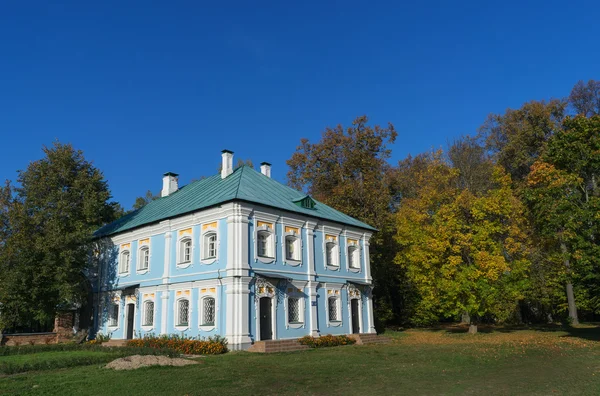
(182, 328)
(143, 271)
(333, 267)
(208, 261)
(123, 274)
(336, 323)
(293, 263)
(355, 270)
(148, 328)
(184, 265)
(296, 325)
(112, 329)
(207, 327)
(266, 260)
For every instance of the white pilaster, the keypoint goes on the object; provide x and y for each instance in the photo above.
(164, 296)
(312, 306)
(367, 257)
(167, 261)
(370, 312)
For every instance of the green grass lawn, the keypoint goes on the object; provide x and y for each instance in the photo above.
(439, 361)
(52, 356)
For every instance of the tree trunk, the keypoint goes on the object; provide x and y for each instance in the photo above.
(466, 318)
(570, 295)
(472, 329)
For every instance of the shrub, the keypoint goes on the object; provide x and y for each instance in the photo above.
(326, 341)
(214, 345)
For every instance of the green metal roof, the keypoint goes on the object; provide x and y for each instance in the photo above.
(244, 184)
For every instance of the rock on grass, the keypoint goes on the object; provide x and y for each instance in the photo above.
(136, 361)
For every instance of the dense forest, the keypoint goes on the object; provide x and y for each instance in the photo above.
(502, 226)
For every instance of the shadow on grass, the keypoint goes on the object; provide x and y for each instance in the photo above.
(588, 331)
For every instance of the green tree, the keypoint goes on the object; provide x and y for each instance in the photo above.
(140, 202)
(48, 221)
(585, 98)
(464, 253)
(348, 170)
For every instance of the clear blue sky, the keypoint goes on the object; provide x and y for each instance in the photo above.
(144, 88)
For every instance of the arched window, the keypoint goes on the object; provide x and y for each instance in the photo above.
(113, 315)
(144, 259)
(333, 309)
(148, 313)
(124, 262)
(208, 311)
(331, 254)
(183, 312)
(185, 250)
(210, 245)
(353, 257)
(292, 251)
(264, 245)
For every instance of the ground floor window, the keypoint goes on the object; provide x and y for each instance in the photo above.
(183, 312)
(333, 309)
(113, 319)
(148, 313)
(208, 311)
(294, 310)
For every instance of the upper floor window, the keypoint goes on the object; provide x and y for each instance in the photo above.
(292, 251)
(124, 262)
(148, 313)
(144, 258)
(264, 244)
(183, 312)
(113, 315)
(185, 250)
(210, 245)
(208, 311)
(331, 255)
(353, 257)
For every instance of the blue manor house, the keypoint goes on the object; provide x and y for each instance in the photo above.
(237, 254)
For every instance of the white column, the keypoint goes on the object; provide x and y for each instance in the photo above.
(310, 249)
(312, 301)
(370, 312)
(167, 260)
(164, 296)
(367, 257)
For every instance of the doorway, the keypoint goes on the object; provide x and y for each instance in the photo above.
(355, 316)
(266, 322)
(130, 317)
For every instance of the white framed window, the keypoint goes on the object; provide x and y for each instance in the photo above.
(333, 309)
(331, 254)
(353, 257)
(124, 261)
(264, 244)
(113, 315)
(210, 246)
(148, 312)
(185, 250)
(144, 258)
(183, 313)
(208, 311)
(295, 311)
(292, 248)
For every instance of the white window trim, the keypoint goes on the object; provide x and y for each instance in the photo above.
(301, 309)
(357, 254)
(330, 291)
(204, 242)
(118, 325)
(297, 260)
(273, 296)
(121, 254)
(144, 326)
(180, 252)
(358, 296)
(201, 324)
(335, 254)
(270, 244)
(140, 270)
(176, 324)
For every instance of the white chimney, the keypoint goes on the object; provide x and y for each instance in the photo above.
(227, 164)
(265, 169)
(170, 184)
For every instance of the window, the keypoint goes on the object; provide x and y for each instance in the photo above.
(353, 257)
(291, 248)
(331, 254)
(144, 259)
(333, 309)
(263, 242)
(183, 312)
(208, 311)
(124, 264)
(113, 315)
(149, 313)
(210, 245)
(294, 310)
(185, 250)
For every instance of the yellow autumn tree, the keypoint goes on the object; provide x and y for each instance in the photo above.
(463, 252)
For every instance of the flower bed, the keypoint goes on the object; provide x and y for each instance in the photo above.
(212, 346)
(326, 341)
